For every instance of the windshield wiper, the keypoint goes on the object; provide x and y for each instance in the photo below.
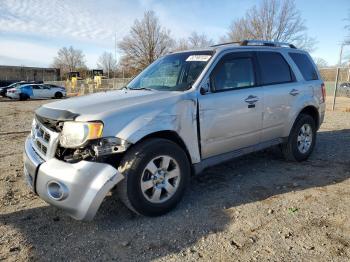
(142, 88)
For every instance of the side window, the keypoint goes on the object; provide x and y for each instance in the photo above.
(305, 66)
(233, 73)
(35, 87)
(274, 69)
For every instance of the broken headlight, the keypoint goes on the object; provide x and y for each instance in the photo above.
(110, 145)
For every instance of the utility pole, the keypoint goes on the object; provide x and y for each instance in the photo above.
(341, 54)
(115, 57)
(115, 47)
(338, 71)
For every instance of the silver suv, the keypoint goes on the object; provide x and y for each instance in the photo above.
(185, 112)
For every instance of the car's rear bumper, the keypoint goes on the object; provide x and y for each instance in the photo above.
(78, 188)
(321, 111)
(12, 95)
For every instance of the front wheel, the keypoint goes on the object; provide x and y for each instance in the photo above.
(58, 95)
(301, 140)
(156, 174)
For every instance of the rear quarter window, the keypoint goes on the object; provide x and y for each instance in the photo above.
(305, 66)
(274, 69)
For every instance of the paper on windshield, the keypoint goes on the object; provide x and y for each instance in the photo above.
(198, 58)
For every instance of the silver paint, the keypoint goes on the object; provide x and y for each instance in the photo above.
(226, 125)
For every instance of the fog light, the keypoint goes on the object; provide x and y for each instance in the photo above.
(57, 190)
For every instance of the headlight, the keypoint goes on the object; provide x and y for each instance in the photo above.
(75, 134)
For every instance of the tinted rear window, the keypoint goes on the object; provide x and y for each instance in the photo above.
(274, 68)
(305, 66)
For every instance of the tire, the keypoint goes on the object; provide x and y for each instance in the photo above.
(23, 97)
(58, 95)
(135, 167)
(300, 151)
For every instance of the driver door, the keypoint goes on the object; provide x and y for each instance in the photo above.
(231, 114)
(47, 92)
(38, 92)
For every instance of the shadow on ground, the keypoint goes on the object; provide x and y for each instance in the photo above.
(118, 234)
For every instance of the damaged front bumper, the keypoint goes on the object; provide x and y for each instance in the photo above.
(78, 189)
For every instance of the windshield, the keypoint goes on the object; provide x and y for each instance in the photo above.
(15, 85)
(175, 72)
(12, 85)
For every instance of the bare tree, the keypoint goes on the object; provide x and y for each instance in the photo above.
(320, 62)
(181, 44)
(69, 60)
(146, 42)
(107, 63)
(195, 40)
(199, 40)
(273, 20)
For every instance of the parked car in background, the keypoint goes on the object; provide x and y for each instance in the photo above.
(344, 89)
(35, 91)
(3, 90)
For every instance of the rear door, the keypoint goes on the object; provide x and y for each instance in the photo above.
(311, 79)
(231, 114)
(280, 87)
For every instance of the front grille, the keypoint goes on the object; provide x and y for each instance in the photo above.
(47, 137)
(44, 140)
(53, 125)
(42, 147)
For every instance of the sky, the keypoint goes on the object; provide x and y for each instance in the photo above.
(32, 31)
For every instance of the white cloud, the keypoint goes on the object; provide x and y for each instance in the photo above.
(35, 29)
(30, 54)
(55, 18)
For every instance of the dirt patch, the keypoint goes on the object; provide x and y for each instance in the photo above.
(257, 207)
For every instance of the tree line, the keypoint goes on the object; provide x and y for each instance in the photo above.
(147, 40)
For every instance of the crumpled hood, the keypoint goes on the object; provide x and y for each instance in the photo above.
(132, 114)
(97, 105)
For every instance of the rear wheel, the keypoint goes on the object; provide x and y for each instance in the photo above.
(156, 174)
(301, 140)
(58, 95)
(23, 97)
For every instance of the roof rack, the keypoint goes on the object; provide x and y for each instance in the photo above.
(258, 43)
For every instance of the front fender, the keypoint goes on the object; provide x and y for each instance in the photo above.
(179, 118)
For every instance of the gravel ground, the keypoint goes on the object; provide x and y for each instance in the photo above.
(255, 208)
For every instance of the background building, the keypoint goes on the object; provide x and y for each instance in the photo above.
(9, 74)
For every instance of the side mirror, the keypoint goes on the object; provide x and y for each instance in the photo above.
(204, 88)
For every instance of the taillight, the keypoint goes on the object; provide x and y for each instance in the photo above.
(323, 88)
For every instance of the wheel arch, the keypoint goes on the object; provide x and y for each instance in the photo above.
(313, 112)
(308, 109)
(169, 135)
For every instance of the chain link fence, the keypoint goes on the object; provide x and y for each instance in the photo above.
(337, 82)
(89, 86)
(329, 76)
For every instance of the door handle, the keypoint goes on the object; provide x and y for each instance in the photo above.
(294, 92)
(251, 99)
